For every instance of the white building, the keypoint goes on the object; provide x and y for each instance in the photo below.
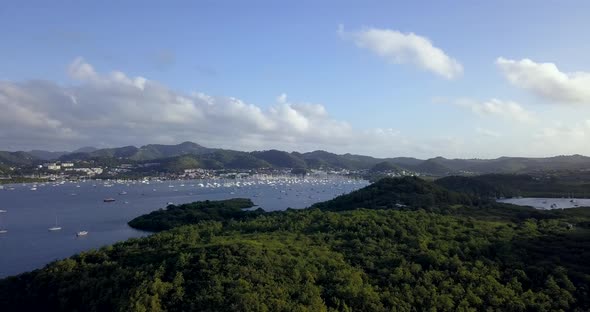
(53, 166)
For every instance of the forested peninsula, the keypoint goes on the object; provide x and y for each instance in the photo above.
(400, 244)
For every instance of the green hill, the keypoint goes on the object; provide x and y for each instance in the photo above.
(280, 159)
(119, 152)
(390, 193)
(438, 166)
(474, 186)
(510, 185)
(156, 151)
(323, 159)
(17, 159)
(384, 166)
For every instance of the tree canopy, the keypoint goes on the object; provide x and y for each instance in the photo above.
(437, 254)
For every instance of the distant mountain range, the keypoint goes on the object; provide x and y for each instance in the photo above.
(191, 155)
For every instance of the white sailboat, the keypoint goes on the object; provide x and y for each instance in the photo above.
(82, 233)
(56, 227)
(2, 229)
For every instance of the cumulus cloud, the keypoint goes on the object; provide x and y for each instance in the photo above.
(505, 109)
(405, 48)
(546, 80)
(487, 132)
(562, 138)
(114, 109)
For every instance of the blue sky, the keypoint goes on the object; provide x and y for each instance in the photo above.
(256, 51)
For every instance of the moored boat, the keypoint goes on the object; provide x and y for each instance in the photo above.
(56, 227)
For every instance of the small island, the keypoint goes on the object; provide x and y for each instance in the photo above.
(178, 215)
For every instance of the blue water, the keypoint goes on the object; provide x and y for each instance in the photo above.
(29, 245)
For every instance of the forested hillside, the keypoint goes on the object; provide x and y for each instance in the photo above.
(420, 258)
(563, 184)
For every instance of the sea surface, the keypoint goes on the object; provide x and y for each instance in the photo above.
(29, 244)
(548, 203)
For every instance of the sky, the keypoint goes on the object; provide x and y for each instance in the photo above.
(459, 79)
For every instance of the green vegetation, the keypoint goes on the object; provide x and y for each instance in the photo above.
(390, 193)
(17, 159)
(280, 159)
(175, 216)
(189, 155)
(14, 180)
(511, 185)
(384, 166)
(442, 251)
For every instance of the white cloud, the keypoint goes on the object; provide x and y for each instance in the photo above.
(114, 109)
(494, 107)
(562, 138)
(487, 132)
(546, 80)
(403, 48)
(81, 70)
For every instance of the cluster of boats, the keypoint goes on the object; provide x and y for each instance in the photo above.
(284, 183)
(273, 180)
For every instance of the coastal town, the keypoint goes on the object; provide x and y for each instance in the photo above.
(58, 171)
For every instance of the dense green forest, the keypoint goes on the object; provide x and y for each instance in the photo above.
(441, 251)
(177, 215)
(560, 184)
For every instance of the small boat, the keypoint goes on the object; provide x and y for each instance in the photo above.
(2, 211)
(33, 188)
(56, 227)
(123, 193)
(82, 233)
(108, 200)
(170, 203)
(2, 230)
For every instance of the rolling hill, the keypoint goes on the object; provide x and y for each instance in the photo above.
(218, 158)
(17, 159)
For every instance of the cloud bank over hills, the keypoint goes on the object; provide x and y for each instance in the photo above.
(115, 109)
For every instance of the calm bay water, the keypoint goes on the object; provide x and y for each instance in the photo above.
(79, 206)
(548, 203)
